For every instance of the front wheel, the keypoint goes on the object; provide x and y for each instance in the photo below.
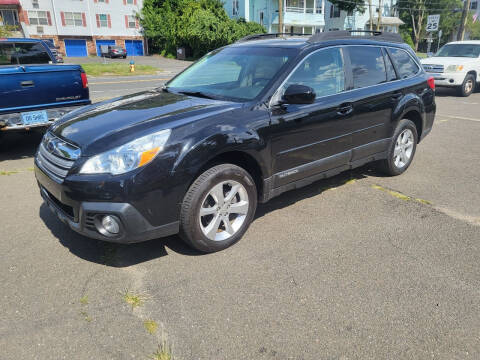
(402, 149)
(218, 208)
(468, 86)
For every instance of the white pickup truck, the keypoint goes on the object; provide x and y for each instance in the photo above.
(456, 64)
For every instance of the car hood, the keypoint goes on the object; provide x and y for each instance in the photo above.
(105, 125)
(445, 61)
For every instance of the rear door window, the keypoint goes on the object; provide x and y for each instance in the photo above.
(31, 53)
(368, 66)
(391, 75)
(404, 63)
(6, 52)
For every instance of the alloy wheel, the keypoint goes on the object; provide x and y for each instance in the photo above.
(224, 210)
(403, 148)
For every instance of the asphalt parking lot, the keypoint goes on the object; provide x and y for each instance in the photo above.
(357, 267)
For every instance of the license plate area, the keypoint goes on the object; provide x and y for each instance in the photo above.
(34, 117)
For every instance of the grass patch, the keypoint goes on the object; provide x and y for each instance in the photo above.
(118, 69)
(164, 351)
(134, 300)
(84, 300)
(8, 173)
(85, 316)
(421, 55)
(151, 326)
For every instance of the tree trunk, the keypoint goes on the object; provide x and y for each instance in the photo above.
(461, 29)
(379, 19)
(371, 14)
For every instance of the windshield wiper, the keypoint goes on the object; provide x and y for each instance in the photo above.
(196, 94)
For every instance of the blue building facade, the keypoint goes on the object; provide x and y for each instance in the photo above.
(310, 16)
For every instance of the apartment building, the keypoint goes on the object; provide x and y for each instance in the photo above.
(310, 16)
(78, 27)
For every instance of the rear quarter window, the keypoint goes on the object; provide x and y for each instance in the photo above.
(31, 53)
(6, 52)
(368, 66)
(406, 66)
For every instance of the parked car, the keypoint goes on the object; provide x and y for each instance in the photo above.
(457, 65)
(35, 91)
(54, 50)
(113, 51)
(242, 125)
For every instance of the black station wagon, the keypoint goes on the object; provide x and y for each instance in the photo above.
(242, 125)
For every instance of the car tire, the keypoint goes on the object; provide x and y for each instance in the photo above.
(401, 150)
(124, 57)
(468, 86)
(226, 195)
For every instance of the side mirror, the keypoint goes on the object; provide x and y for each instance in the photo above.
(298, 94)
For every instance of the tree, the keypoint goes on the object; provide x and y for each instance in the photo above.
(350, 6)
(200, 25)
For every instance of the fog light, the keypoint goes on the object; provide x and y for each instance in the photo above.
(110, 224)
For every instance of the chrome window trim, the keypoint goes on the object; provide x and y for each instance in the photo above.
(275, 94)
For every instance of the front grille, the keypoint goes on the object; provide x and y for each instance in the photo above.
(433, 68)
(53, 165)
(90, 221)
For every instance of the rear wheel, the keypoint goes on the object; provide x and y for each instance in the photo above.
(402, 149)
(218, 208)
(468, 86)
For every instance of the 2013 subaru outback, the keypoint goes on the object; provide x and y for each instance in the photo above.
(243, 124)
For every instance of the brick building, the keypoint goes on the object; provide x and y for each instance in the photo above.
(78, 27)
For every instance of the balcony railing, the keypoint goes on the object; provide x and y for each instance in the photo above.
(304, 10)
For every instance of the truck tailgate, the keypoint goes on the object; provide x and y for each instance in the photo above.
(30, 87)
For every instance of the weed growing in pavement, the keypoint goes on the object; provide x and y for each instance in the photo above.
(134, 300)
(164, 351)
(151, 326)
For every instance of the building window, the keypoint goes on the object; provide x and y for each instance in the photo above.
(9, 17)
(334, 11)
(131, 21)
(37, 17)
(261, 18)
(102, 20)
(102, 1)
(235, 7)
(73, 19)
(35, 4)
(295, 6)
(473, 5)
(131, 2)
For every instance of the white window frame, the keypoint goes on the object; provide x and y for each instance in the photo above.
(34, 17)
(73, 19)
(235, 7)
(132, 20)
(103, 23)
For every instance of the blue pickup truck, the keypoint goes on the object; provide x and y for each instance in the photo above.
(34, 89)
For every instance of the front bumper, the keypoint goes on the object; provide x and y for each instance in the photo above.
(448, 78)
(82, 216)
(13, 121)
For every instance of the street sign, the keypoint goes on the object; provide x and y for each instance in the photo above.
(432, 23)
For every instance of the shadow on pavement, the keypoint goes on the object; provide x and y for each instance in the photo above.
(119, 255)
(19, 145)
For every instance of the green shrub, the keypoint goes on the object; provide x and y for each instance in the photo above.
(200, 25)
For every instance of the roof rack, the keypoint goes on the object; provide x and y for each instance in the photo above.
(356, 34)
(268, 36)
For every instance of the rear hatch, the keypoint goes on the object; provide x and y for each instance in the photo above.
(31, 87)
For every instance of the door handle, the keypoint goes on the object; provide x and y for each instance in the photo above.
(397, 95)
(27, 83)
(344, 109)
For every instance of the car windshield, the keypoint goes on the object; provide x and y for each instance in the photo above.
(459, 50)
(233, 73)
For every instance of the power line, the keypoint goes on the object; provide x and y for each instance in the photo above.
(426, 9)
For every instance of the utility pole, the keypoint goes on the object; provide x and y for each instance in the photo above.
(280, 16)
(379, 18)
(463, 22)
(370, 11)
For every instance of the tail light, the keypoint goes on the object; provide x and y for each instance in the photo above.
(84, 80)
(431, 82)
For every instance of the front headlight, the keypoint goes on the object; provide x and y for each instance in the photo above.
(130, 156)
(453, 68)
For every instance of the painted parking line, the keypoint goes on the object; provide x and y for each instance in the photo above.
(459, 117)
(128, 81)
